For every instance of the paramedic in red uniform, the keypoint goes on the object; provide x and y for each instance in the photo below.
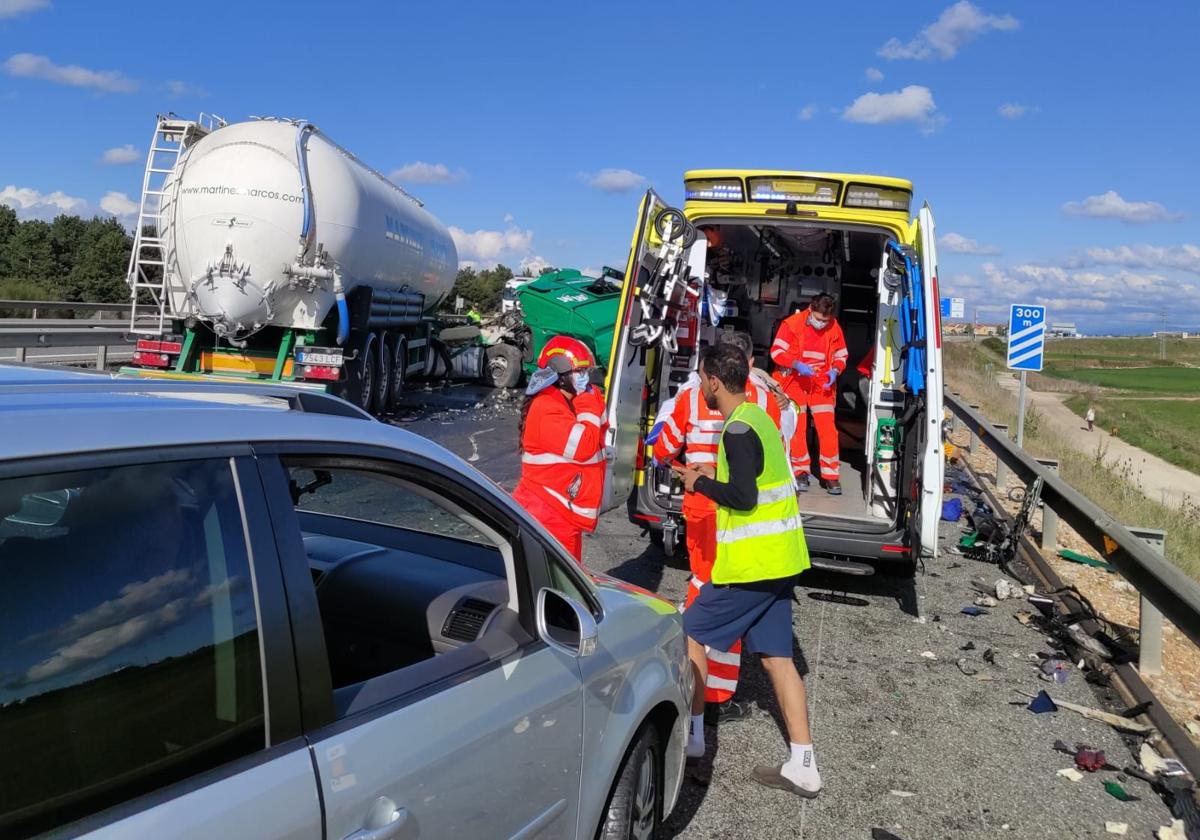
(562, 443)
(810, 351)
(686, 420)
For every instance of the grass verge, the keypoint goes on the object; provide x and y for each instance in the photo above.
(1169, 429)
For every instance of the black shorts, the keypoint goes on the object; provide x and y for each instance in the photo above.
(760, 614)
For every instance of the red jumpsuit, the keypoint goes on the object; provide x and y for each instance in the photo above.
(687, 420)
(822, 350)
(562, 464)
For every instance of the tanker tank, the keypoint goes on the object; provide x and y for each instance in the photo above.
(270, 223)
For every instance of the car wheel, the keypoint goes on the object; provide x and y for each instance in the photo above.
(503, 366)
(383, 379)
(635, 804)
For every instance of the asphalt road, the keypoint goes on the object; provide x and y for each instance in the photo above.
(905, 743)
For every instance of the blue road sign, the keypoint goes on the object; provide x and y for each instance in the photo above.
(1026, 336)
(945, 307)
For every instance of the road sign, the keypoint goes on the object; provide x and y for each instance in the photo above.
(953, 307)
(1026, 336)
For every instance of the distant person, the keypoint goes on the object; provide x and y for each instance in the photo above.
(473, 316)
(562, 444)
(810, 351)
(1091, 417)
(760, 551)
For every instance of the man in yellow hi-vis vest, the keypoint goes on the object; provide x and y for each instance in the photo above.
(760, 551)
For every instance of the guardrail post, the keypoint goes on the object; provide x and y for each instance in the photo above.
(102, 357)
(1001, 467)
(20, 354)
(975, 442)
(1150, 620)
(1049, 515)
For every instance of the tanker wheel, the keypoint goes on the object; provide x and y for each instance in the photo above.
(503, 366)
(383, 379)
(366, 377)
(399, 373)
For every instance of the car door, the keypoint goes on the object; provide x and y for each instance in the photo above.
(482, 739)
(150, 680)
(933, 469)
(629, 364)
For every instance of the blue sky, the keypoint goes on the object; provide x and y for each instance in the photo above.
(1055, 142)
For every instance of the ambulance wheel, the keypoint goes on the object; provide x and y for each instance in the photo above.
(399, 372)
(383, 379)
(634, 809)
(364, 376)
(503, 366)
(679, 224)
(670, 541)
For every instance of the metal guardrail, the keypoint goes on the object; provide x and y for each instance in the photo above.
(63, 305)
(1160, 583)
(33, 333)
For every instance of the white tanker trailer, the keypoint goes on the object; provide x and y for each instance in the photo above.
(270, 253)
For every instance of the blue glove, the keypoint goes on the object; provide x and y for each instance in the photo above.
(830, 376)
(652, 438)
(802, 369)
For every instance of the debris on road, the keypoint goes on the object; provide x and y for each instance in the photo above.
(1042, 703)
(966, 668)
(1054, 670)
(989, 656)
(1090, 760)
(1117, 792)
(1083, 559)
(1071, 774)
(1193, 728)
(1174, 831)
(969, 646)
(1115, 721)
(928, 654)
(974, 611)
(884, 834)
(1006, 589)
(1116, 828)
(903, 794)
(986, 601)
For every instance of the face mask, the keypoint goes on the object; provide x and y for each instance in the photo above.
(816, 323)
(581, 379)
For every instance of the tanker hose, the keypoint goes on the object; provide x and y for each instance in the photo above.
(339, 295)
(306, 231)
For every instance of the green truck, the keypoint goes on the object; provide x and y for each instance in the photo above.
(565, 302)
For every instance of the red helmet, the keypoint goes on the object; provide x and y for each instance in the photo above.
(572, 349)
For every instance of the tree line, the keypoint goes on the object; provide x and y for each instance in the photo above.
(69, 258)
(483, 288)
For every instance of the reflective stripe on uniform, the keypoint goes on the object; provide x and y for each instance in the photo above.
(704, 438)
(701, 457)
(821, 409)
(780, 344)
(759, 529)
(717, 682)
(590, 513)
(546, 458)
(588, 418)
(813, 354)
(573, 440)
(723, 657)
(776, 494)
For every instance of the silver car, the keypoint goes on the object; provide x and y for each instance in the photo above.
(236, 612)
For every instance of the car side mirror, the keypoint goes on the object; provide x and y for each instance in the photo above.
(565, 624)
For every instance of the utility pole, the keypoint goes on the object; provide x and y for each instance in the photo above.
(1162, 338)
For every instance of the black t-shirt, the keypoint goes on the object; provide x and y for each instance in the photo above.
(744, 453)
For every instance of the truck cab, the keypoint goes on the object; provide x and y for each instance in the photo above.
(747, 249)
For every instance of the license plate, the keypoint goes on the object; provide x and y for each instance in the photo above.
(333, 359)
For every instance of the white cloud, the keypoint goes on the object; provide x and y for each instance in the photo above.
(614, 180)
(874, 75)
(911, 104)
(180, 90)
(532, 266)
(121, 155)
(420, 172)
(508, 218)
(16, 8)
(1110, 205)
(956, 27)
(956, 243)
(121, 206)
(487, 247)
(30, 66)
(807, 112)
(31, 204)
(1013, 110)
(1177, 257)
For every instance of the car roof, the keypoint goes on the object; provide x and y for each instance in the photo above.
(47, 412)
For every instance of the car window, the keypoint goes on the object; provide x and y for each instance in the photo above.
(376, 497)
(129, 649)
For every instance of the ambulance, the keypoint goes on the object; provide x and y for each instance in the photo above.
(747, 249)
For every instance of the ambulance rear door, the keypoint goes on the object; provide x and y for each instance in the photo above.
(933, 467)
(627, 386)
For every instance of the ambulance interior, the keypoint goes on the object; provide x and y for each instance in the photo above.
(768, 271)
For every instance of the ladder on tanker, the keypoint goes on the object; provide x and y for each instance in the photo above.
(147, 275)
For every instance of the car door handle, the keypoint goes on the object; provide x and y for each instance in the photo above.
(384, 822)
